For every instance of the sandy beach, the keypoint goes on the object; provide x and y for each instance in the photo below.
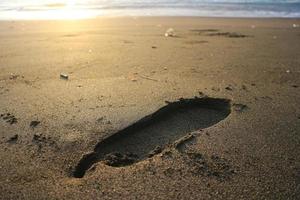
(222, 95)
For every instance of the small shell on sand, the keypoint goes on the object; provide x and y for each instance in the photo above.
(64, 76)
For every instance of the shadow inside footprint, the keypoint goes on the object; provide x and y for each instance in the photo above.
(155, 131)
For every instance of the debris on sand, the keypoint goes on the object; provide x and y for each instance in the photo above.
(215, 89)
(229, 88)
(103, 120)
(40, 140)
(148, 78)
(240, 107)
(296, 25)
(33, 124)
(133, 77)
(64, 76)
(13, 76)
(244, 87)
(13, 139)
(11, 119)
(202, 95)
(118, 160)
(100, 119)
(170, 33)
(267, 98)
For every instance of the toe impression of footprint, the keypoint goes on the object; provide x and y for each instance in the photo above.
(168, 124)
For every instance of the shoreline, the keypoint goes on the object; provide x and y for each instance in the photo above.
(155, 17)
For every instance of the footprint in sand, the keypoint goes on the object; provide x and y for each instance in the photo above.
(9, 118)
(151, 134)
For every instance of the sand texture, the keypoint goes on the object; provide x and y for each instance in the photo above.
(113, 109)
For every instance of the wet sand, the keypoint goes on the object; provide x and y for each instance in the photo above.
(123, 69)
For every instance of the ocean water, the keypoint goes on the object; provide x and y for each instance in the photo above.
(75, 9)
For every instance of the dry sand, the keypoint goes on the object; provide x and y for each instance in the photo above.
(123, 69)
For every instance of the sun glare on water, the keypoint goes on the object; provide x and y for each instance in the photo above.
(56, 10)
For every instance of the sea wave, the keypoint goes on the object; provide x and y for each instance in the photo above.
(50, 9)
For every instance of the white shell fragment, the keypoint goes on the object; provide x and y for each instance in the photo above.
(170, 32)
(64, 76)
